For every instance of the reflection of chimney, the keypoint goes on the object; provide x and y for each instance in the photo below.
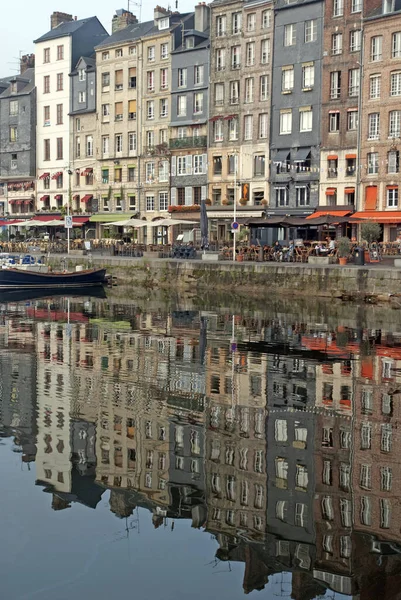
(122, 19)
(26, 62)
(202, 16)
(59, 17)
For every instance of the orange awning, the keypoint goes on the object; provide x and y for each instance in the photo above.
(332, 213)
(349, 156)
(379, 216)
(391, 187)
(349, 190)
(370, 197)
(367, 368)
(331, 191)
(332, 157)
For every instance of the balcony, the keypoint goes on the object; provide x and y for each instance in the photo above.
(189, 142)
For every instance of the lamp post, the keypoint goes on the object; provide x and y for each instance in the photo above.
(67, 220)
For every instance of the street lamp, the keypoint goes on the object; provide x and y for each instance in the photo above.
(67, 219)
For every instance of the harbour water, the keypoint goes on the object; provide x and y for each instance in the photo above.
(165, 451)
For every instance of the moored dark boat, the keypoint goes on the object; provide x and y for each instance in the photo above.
(16, 279)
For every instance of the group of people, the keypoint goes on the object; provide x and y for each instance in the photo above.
(287, 254)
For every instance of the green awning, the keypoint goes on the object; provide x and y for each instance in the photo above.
(111, 216)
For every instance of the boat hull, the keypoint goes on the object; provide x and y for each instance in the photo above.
(15, 279)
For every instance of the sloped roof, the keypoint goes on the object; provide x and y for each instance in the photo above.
(67, 28)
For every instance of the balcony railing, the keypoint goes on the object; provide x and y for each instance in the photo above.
(189, 142)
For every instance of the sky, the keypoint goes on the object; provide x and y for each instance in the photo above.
(28, 20)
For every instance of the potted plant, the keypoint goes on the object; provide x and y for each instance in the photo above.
(243, 201)
(344, 249)
(224, 201)
(208, 202)
(370, 233)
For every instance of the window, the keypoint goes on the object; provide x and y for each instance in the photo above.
(374, 86)
(365, 477)
(236, 19)
(150, 109)
(302, 195)
(396, 45)
(355, 40)
(163, 201)
(132, 50)
(285, 122)
(352, 121)
(366, 436)
(386, 479)
(149, 172)
(235, 57)
(251, 22)
(310, 31)
(248, 127)
(249, 88)
(301, 514)
(220, 59)
(250, 54)
(105, 55)
(198, 103)
(131, 174)
(395, 86)
(59, 113)
(163, 107)
(373, 126)
(394, 129)
(118, 143)
(263, 126)
(218, 130)
(82, 75)
(162, 136)
(13, 133)
(105, 81)
(46, 55)
(376, 44)
(13, 108)
(392, 196)
(163, 79)
(181, 106)
(182, 165)
(81, 97)
(46, 149)
(118, 111)
(308, 76)
(219, 94)
(105, 145)
(338, 8)
(89, 145)
(264, 51)
(221, 25)
(199, 164)
(150, 206)
(387, 404)
(305, 119)
(366, 511)
(353, 82)
(290, 34)
(263, 88)
(150, 139)
(334, 121)
(356, 6)
(198, 74)
(151, 53)
(287, 79)
(59, 148)
(373, 163)
(282, 196)
(60, 52)
(266, 19)
(60, 82)
(337, 43)
(335, 85)
(151, 81)
(118, 52)
(393, 160)
(234, 92)
(46, 84)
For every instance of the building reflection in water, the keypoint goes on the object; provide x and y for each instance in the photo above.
(280, 438)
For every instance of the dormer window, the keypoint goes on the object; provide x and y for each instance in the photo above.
(82, 74)
(164, 23)
(190, 42)
(14, 87)
(388, 6)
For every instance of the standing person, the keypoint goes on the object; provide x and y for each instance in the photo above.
(332, 245)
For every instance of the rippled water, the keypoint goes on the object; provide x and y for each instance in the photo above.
(158, 452)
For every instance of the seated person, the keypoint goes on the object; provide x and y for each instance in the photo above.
(278, 251)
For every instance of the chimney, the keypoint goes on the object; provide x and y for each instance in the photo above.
(27, 62)
(202, 17)
(160, 12)
(59, 17)
(122, 19)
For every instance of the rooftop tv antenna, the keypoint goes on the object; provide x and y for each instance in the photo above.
(139, 5)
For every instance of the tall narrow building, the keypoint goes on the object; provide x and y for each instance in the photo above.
(57, 53)
(296, 106)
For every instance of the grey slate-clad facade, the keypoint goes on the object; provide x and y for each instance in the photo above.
(83, 86)
(18, 142)
(296, 101)
(188, 138)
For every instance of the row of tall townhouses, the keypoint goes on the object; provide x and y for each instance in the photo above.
(237, 101)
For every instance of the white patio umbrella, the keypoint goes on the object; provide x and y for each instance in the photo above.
(171, 222)
(128, 223)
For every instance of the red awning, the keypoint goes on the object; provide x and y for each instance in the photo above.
(331, 191)
(79, 221)
(87, 198)
(350, 156)
(12, 202)
(57, 175)
(27, 201)
(45, 176)
(349, 190)
(87, 171)
(19, 202)
(58, 197)
(44, 198)
(45, 218)
(332, 213)
(12, 222)
(332, 157)
(391, 187)
(379, 216)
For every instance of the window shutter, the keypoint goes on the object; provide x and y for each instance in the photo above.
(204, 164)
(188, 163)
(132, 106)
(132, 72)
(173, 166)
(173, 196)
(203, 192)
(188, 196)
(119, 77)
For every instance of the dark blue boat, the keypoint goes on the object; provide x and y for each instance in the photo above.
(18, 279)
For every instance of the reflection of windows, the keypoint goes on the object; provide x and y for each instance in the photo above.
(243, 459)
(327, 437)
(301, 514)
(365, 478)
(366, 436)
(367, 402)
(366, 511)
(216, 483)
(386, 437)
(345, 546)
(258, 464)
(345, 477)
(281, 509)
(327, 473)
(386, 479)
(230, 488)
(259, 495)
(385, 513)
(302, 554)
(282, 548)
(281, 469)
(280, 430)
(301, 477)
(301, 434)
(346, 512)
(327, 508)
(230, 518)
(244, 493)
(328, 543)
